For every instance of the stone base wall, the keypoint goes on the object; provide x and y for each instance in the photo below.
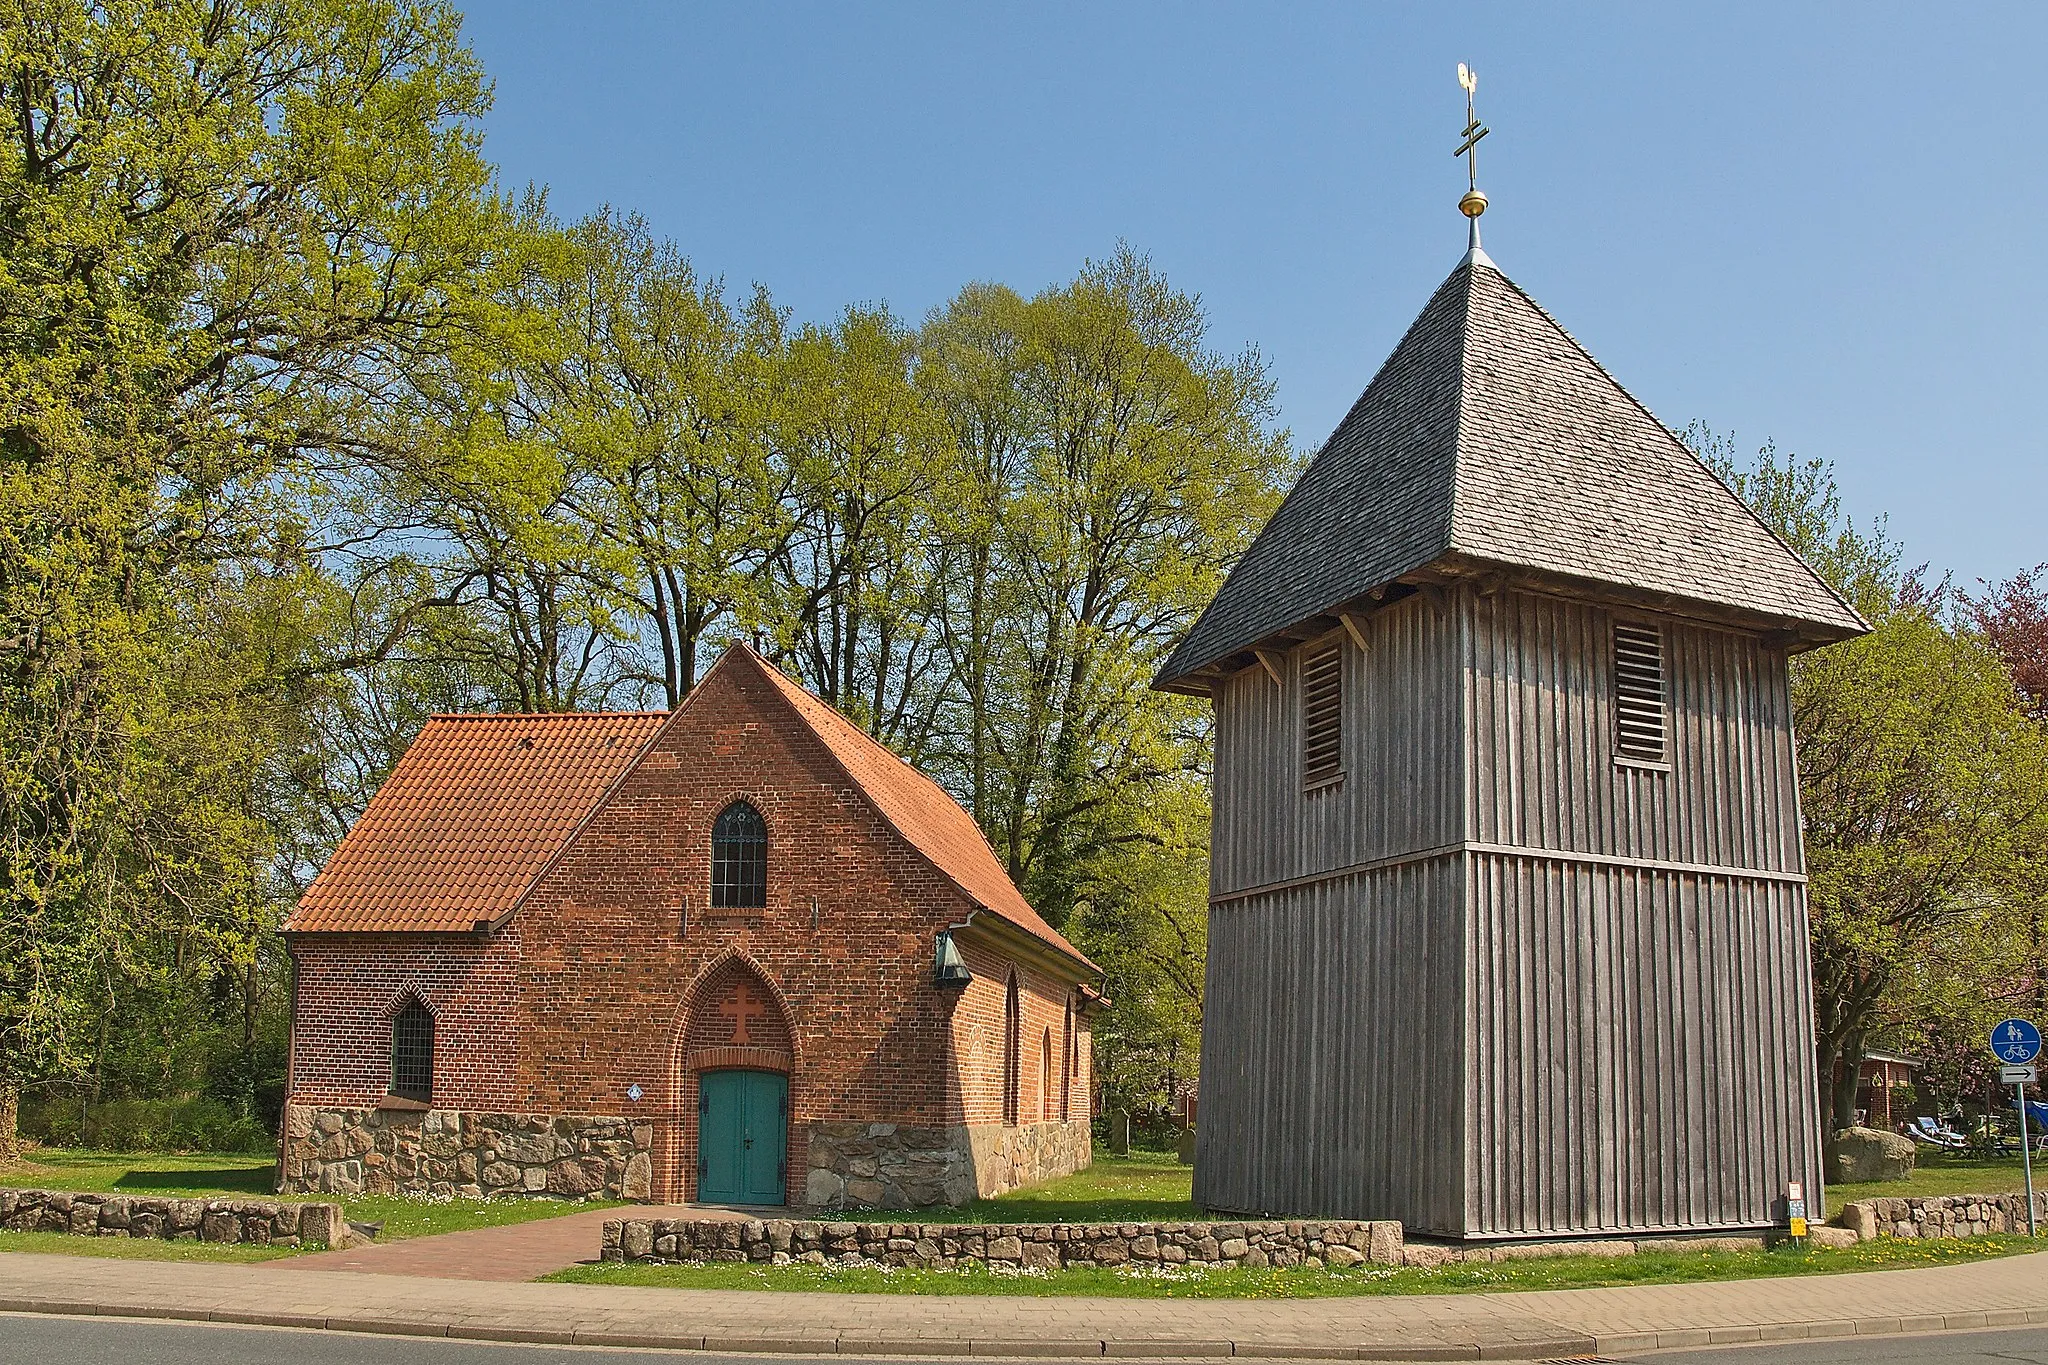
(1046, 1246)
(466, 1154)
(256, 1222)
(1947, 1215)
(898, 1166)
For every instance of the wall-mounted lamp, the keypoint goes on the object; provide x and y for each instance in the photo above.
(948, 967)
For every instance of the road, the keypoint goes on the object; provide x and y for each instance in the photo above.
(92, 1341)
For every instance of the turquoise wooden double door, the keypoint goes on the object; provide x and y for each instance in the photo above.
(742, 1137)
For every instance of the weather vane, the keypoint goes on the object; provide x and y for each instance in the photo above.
(1474, 202)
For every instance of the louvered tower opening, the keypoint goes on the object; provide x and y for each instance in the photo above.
(1639, 726)
(1322, 714)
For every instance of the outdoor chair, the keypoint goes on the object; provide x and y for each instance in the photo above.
(1927, 1129)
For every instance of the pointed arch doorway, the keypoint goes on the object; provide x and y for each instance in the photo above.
(737, 1057)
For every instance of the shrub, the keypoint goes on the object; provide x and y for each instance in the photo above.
(191, 1124)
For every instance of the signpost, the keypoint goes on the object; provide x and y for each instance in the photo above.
(2016, 1043)
(1795, 1211)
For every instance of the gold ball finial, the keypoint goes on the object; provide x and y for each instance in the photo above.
(1474, 202)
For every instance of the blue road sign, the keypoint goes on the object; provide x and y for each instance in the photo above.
(2016, 1042)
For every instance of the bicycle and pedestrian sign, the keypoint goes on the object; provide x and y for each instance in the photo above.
(2016, 1042)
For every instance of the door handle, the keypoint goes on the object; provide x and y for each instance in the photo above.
(746, 1142)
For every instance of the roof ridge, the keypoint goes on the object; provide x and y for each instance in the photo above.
(1471, 262)
(611, 788)
(541, 715)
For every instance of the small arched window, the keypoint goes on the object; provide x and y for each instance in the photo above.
(1067, 1065)
(1045, 1077)
(739, 858)
(412, 1053)
(1013, 1024)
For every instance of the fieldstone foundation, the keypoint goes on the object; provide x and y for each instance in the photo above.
(256, 1222)
(1051, 1246)
(897, 1166)
(466, 1154)
(1948, 1215)
(1039, 1246)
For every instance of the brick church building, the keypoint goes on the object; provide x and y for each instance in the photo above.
(734, 953)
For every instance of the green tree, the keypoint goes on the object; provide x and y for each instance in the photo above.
(1922, 779)
(223, 227)
(1118, 467)
(664, 390)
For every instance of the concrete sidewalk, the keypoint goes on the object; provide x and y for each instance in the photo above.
(2008, 1292)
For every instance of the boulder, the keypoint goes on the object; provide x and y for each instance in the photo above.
(1861, 1219)
(1859, 1155)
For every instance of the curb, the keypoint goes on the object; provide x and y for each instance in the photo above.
(1564, 1346)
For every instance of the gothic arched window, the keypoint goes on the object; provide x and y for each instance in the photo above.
(1045, 1077)
(412, 1053)
(1067, 1065)
(1013, 1025)
(739, 858)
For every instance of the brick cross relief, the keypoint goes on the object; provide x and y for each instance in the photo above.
(742, 1007)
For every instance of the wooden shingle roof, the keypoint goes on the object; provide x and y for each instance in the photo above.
(1490, 437)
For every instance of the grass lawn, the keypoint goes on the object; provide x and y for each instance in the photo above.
(1144, 1187)
(1183, 1282)
(250, 1177)
(1940, 1173)
(1153, 1187)
(136, 1248)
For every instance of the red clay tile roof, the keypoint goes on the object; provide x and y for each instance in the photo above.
(480, 805)
(921, 810)
(473, 811)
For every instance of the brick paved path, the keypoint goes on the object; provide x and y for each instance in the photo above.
(516, 1252)
(2012, 1291)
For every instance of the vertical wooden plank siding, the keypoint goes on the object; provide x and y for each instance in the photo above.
(1331, 1050)
(1543, 767)
(1495, 983)
(1403, 755)
(1333, 1015)
(1636, 1064)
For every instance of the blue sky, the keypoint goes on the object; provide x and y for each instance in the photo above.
(1819, 225)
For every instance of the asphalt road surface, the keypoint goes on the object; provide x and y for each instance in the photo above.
(92, 1341)
(2007, 1346)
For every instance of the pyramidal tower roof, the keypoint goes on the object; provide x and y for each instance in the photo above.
(1490, 442)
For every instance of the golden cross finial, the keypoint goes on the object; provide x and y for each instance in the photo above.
(1474, 202)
